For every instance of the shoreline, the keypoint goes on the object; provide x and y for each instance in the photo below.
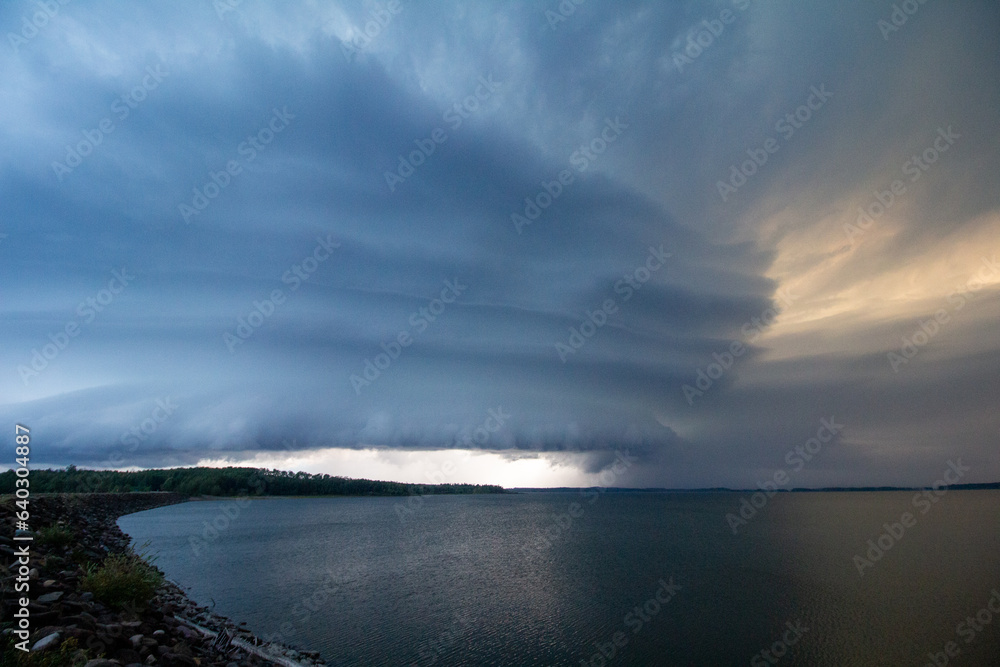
(67, 623)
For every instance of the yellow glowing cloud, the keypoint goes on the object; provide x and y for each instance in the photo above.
(843, 280)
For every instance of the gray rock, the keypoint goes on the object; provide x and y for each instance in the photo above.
(47, 642)
(50, 597)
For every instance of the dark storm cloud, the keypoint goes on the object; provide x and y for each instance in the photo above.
(204, 265)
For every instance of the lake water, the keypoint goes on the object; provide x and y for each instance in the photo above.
(557, 578)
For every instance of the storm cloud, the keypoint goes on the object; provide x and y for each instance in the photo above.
(686, 230)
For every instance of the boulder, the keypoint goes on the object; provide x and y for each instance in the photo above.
(47, 642)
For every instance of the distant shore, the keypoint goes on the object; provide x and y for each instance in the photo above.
(988, 486)
(231, 481)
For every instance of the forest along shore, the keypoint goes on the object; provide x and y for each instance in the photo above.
(93, 602)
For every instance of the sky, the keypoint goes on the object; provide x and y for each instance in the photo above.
(643, 244)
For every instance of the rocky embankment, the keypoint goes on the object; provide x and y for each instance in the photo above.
(69, 626)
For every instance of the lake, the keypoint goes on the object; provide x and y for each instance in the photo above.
(594, 578)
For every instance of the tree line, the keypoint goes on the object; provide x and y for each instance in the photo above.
(225, 482)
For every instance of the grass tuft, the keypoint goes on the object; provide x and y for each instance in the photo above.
(123, 579)
(56, 536)
(68, 653)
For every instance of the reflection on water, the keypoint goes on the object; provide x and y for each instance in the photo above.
(570, 579)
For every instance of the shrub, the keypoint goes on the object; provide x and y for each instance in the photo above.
(123, 579)
(56, 535)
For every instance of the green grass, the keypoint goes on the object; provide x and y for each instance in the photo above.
(123, 579)
(67, 654)
(56, 536)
